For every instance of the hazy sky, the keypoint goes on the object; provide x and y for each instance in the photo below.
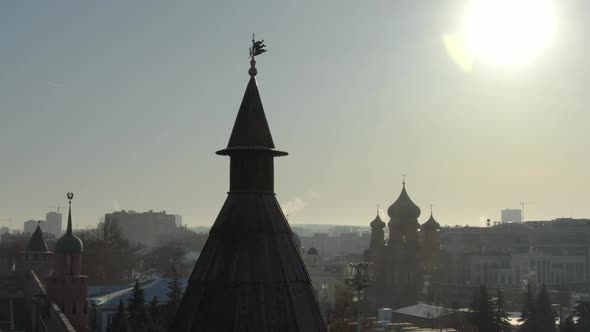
(125, 102)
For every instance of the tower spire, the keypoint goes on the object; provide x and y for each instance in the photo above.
(70, 197)
(404, 180)
(239, 284)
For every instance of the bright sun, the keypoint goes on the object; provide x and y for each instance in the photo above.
(508, 32)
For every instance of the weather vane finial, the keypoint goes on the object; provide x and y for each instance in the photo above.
(257, 48)
(404, 179)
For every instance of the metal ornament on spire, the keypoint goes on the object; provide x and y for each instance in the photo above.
(70, 196)
(257, 48)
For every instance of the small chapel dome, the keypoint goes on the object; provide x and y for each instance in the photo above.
(431, 224)
(312, 251)
(377, 223)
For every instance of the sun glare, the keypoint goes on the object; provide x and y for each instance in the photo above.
(508, 32)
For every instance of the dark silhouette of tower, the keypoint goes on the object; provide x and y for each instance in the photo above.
(67, 287)
(250, 275)
(377, 237)
(431, 230)
(37, 256)
(404, 247)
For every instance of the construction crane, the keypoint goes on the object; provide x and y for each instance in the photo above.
(57, 207)
(522, 205)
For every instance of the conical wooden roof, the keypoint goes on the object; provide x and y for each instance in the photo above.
(37, 242)
(250, 275)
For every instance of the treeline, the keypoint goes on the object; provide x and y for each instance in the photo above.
(142, 316)
(537, 315)
(109, 258)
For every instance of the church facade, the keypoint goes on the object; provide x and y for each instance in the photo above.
(403, 266)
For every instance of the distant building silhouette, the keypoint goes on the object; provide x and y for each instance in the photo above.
(177, 220)
(250, 275)
(511, 215)
(556, 252)
(30, 226)
(143, 227)
(53, 223)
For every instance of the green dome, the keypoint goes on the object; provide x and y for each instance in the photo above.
(69, 243)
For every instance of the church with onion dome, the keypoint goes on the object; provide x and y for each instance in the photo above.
(45, 290)
(409, 260)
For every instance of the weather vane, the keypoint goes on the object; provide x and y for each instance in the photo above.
(257, 48)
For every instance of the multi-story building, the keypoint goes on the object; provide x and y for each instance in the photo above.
(511, 215)
(177, 220)
(29, 226)
(556, 253)
(331, 245)
(143, 227)
(53, 223)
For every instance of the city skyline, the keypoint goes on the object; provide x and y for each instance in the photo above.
(125, 105)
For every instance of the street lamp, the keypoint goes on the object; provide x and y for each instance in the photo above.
(358, 279)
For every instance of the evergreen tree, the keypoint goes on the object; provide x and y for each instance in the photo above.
(545, 315)
(174, 294)
(528, 314)
(582, 313)
(484, 319)
(119, 323)
(155, 315)
(138, 320)
(500, 316)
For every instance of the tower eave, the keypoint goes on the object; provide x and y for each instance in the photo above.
(242, 149)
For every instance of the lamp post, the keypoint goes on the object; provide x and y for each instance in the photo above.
(358, 279)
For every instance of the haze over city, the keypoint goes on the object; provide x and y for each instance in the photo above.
(126, 103)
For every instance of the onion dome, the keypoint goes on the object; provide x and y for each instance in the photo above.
(69, 243)
(431, 224)
(403, 208)
(37, 242)
(377, 223)
(312, 251)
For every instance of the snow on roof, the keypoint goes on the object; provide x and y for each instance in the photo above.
(425, 311)
(153, 288)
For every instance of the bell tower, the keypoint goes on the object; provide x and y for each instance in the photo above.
(67, 287)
